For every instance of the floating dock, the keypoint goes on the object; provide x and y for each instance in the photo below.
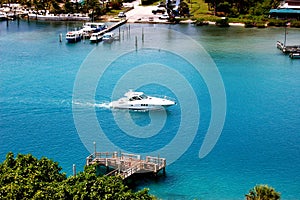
(288, 49)
(125, 164)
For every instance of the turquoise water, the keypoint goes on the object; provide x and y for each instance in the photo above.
(52, 93)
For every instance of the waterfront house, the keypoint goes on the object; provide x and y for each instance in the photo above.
(288, 9)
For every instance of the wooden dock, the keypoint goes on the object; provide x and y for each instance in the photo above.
(112, 27)
(288, 49)
(125, 164)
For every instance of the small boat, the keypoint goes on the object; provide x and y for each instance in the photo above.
(92, 27)
(73, 36)
(96, 37)
(295, 55)
(139, 101)
(108, 37)
(3, 16)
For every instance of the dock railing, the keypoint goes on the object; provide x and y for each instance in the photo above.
(126, 164)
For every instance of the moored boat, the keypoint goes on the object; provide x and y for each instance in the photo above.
(3, 16)
(73, 36)
(108, 37)
(92, 27)
(96, 37)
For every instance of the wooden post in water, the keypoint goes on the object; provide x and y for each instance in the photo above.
(136, 44)
(74, 170)
(284, 35)
(18, 19)
(95, 148)
(143, 35)
(60, 37)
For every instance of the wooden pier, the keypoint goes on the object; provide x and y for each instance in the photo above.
(125, 164)
(114, 26)
(288, 49)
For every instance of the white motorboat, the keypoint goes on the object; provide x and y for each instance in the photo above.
(139, 101)
(73, 36)
(92, 27)
(96, 37)
(108, 37)
(3, 16)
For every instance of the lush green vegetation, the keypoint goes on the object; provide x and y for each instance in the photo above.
(251, 13)
(263, 192)
(26, 177)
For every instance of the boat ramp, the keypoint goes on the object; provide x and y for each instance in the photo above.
(125, 164)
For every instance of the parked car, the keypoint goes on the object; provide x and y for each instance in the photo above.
(159, 10)
(164, 16)
(121, 14)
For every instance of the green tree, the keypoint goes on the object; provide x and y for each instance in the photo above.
(263, 192)
(68, 7)
(183, 9)
(26, 177)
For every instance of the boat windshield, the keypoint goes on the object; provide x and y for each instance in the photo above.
(143, 96)
(140, 97)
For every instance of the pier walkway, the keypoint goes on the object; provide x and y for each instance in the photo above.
(125, 164)
(114, 26)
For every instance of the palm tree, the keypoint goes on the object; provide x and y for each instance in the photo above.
(262, 192)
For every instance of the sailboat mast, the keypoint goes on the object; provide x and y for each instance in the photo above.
(284, 36)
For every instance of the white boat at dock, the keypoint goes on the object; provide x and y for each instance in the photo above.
(3, 16)
(73, 36)
(139, 101)
(96, 37)
(108, 37)
(92, 27)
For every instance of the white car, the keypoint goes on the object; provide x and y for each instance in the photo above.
(164, 16)
(121, 14)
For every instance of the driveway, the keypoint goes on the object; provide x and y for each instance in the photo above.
(142, 13)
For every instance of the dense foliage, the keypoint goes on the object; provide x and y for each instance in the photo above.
(263, 192)
(235, 8)
(98, 7)
(26, 177)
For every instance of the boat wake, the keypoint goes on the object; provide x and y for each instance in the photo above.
(88, 104)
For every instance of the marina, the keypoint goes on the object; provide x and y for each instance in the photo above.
(258, 145)
(95, 30)
(126, 165)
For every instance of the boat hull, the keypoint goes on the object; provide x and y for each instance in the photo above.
(73, 40)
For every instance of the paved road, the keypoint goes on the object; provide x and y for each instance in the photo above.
(142, 13)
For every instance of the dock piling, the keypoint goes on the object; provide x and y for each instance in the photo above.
(74, 170)
(60, 37)
(95, 148)
(143, 35)
(136, 44)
